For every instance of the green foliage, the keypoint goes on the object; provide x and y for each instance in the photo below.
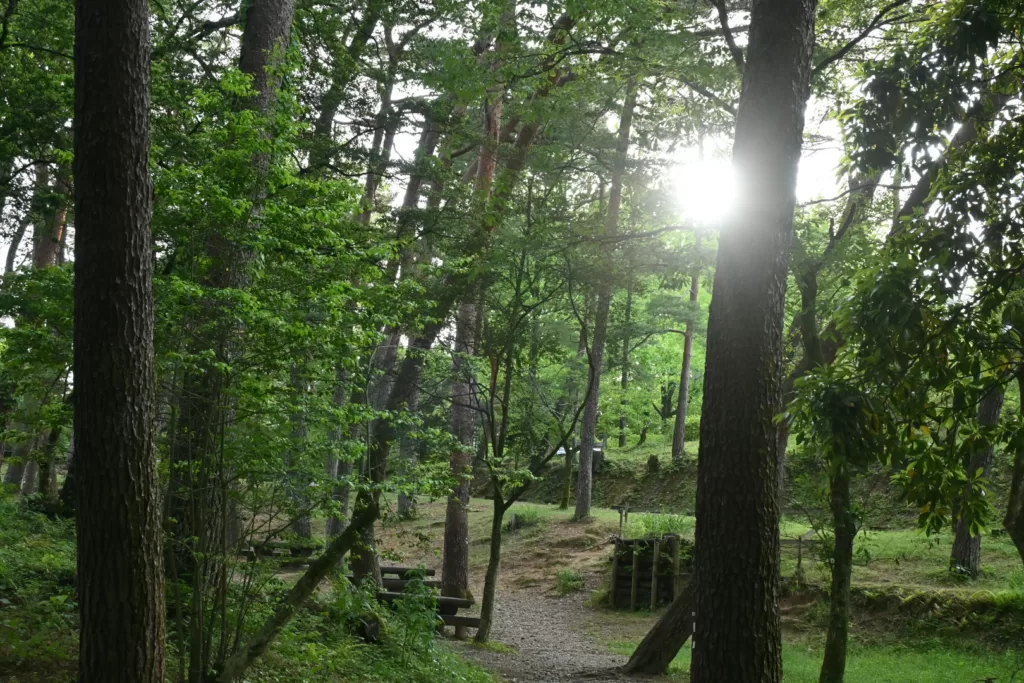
(651, 525)
(38, 611)
(569, 581)
(522, 517)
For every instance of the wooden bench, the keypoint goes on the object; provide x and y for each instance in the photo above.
(447, 607)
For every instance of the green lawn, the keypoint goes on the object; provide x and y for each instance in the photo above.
(881, 664)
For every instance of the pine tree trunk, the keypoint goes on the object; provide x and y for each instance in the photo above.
(1014, 519)
(966, 554)
(335, 468)
(737, 568)
(30, 481)
(844, 523)
(483, 633)
(624, 381)
(199, 482)
(588, 430)
(683, 409)
(455, 572)
(662, 643)
(119, 539)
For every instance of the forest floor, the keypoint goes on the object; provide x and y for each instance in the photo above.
(541, 635)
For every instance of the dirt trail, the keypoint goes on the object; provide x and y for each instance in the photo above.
(551, 647)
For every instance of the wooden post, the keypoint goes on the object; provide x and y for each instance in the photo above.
(654, 575)
(677, 587)
(615, 574)
(636, 575)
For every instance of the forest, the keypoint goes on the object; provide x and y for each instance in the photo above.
(501, 340)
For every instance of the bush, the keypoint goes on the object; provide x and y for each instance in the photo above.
(522, 518)
(692, 432)
(569, 581)
(647, 525)
(38, 611)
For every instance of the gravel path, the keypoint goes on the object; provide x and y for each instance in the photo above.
(550, 648)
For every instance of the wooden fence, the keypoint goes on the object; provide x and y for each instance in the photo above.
(646, 572)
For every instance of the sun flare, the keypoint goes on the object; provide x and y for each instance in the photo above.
(704, 189)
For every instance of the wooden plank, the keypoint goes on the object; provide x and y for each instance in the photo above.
(654, 576)
(400, 584)
(636, 576)
(402, 571)
(462, 603)
(615, 571)
(673, 545)
(456, 620)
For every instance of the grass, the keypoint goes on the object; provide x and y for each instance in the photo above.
(933, 663)
(569, 581)
(652, 525)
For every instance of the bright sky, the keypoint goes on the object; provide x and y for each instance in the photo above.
(705, 187)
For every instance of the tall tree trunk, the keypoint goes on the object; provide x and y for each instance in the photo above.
(737, 567)
(1014, 519)
(588, 431)
(624, 380)
(455, 572)
(18, 462)
(119, 541)
(338, 469)
(572, 390)
(31, 478)
(199, 480)
(966, 554)
(844, 523)
(483, 632)
(683, 409)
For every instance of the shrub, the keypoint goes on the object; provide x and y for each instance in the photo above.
(569, 581)
(647, 525)
(522, 518)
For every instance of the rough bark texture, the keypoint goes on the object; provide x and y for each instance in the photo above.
(455, 572)
(483, 633)
(844, 523)
(120, 558)
(624, 377)
(683, 409)
(337, 469)
(588, 430)
(1014, 520)
(663, 642)
(31, 479)
(737, 569)
(966, 554)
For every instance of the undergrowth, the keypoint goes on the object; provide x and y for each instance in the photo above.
(322, 644)
(569, 581)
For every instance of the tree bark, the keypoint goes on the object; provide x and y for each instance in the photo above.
(455, 571)
(338, 469)
(966, 554)
(119, 540)
(588, 431)
(662, 643)
(844, 523)
(624, 379)
(483, 633)
(685, 376)
(1014, 519)
(737, 568)
(30, 482)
